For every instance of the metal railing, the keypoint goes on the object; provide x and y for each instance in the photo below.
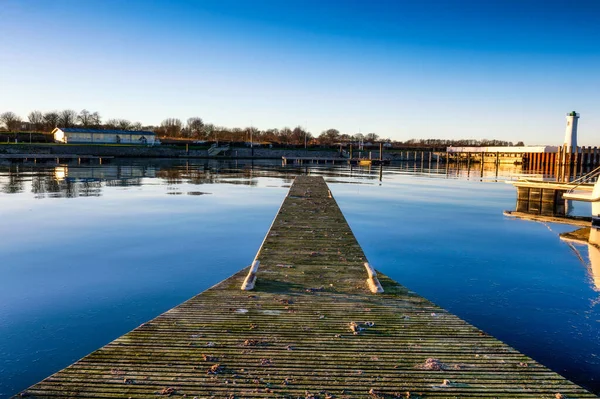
(585, 179)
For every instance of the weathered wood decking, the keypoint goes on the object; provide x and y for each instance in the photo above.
(291, 336)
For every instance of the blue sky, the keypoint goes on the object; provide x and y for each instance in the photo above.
(403, 69)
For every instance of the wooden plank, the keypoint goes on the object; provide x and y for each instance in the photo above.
(311, 328)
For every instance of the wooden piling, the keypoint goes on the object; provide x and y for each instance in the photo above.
(316, 322)
(576, 159)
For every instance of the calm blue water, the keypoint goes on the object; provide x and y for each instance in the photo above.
(89, 253)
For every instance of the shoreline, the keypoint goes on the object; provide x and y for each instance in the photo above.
(131, 151)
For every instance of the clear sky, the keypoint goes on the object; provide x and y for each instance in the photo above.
(503, 69)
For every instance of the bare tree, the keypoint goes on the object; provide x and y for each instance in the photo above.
(85, 118)
(271, 135)
(285, 135)
(372, 137)
(194, 126)
(171, 127)
(36, 118)
(299, 135)
(209, 131)
(111, 123)
(137, 126)
(67, 118)
(51, 120)
(329, 136)
(123, 124)
(95, 120)
(11, 120)
(358, 137)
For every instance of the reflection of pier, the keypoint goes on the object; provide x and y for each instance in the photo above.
(544, 201)
(546, 198)
(311, 327)
(53, 157)
(313, 160)
(591, 238)
(106, 172)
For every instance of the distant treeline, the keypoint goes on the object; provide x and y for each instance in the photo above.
(194, 129)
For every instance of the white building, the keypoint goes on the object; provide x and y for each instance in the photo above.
(76, 135)
(571, 130)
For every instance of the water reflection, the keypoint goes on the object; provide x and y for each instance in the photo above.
(72, 181)
(87, 180)
(588, 238)
(116, 261)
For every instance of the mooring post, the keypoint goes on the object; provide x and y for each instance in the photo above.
(497, 162)
(557, 163)
(576, 161)
(583, 160)
(447, 161)
(481, 171)
(381, 151)
(565, 161)
(569, 164)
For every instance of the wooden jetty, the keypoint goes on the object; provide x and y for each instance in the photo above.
(313, 160)
(545, 198)
(55, 157)
(333, 160)
(311, 327)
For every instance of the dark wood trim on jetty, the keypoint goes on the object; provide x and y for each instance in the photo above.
(310, 328)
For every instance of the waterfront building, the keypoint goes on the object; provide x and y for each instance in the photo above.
(520, 154)
(509, 155)
(77, 135)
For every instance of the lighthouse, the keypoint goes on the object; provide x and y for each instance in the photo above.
(571, 130)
